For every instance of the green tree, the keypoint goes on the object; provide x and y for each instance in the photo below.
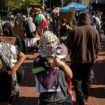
(51, 3)
(20, 4)
(30, 2)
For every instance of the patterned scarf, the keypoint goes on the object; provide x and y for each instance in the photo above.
(47, 41)
(8, 54)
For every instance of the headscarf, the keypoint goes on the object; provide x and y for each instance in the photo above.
(47, 42)
(8, 53)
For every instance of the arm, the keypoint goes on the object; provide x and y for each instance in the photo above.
(59, 63)
(68, 27)
(66, 69)
(20, 61)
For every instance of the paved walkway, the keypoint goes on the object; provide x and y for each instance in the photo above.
(97, 90)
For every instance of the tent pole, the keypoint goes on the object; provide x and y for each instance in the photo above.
(50, 4)
(62, 2)
(43, 2)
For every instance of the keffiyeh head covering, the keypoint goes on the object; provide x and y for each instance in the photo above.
(8, 53)
(47, 42)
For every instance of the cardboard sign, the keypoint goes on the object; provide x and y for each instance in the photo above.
(10, 40)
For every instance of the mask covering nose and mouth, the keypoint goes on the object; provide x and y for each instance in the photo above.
(47, 42)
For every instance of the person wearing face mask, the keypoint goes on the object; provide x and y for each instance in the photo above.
(50, 72)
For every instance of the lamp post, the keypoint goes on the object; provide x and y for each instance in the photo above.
(90, 2)
(97, 3)
(50, 4)
(43, 2)
(43, 5)
(62, 2)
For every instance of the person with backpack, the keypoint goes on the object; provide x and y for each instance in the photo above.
(50, 73)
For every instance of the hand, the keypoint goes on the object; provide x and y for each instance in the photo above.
(57, 62)
(10, 72)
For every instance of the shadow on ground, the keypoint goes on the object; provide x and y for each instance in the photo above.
(98, 92)
(29, 79)
(26, 101)
(99, 72)
(34, 101)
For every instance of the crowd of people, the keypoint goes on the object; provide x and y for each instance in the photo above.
(42, 31)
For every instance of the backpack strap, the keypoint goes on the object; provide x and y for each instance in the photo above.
(63, 83)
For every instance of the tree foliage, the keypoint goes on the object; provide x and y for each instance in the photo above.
(20, 4)
(3, 6)
(51, 3)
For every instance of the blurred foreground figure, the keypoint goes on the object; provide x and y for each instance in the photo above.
(10, 61)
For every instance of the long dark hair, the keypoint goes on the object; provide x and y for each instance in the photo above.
(12, 33)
